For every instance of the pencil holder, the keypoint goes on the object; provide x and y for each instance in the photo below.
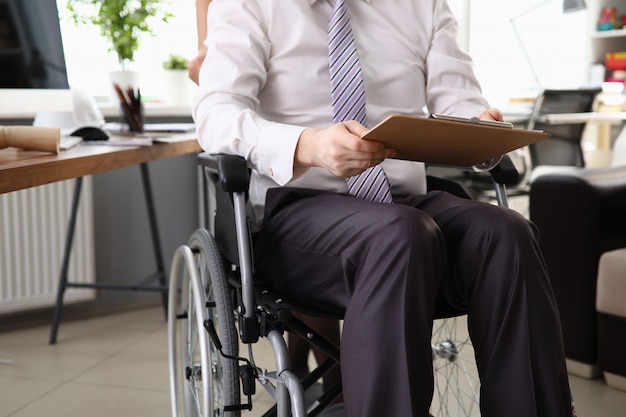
(134, 120)
(132, 112)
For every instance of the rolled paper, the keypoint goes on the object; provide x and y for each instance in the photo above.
(32, 138)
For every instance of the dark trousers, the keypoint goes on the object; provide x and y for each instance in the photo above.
(390, 269)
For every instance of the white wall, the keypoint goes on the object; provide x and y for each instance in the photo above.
(557, 45)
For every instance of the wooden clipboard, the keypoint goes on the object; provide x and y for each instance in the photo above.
(462, 143)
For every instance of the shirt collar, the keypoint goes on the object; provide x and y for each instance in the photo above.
(312, 2)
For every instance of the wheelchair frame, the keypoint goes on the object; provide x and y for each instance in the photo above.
(214, 304)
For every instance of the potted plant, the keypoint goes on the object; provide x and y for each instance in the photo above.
(179, 89)
(176, 62)
(121, 22)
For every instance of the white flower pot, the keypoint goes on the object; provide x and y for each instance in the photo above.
(179, 91)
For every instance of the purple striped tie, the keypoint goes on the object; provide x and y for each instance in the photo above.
(348, 97)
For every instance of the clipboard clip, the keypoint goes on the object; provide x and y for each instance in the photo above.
(474, 120)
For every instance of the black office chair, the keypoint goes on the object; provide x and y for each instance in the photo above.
(561, 151)
(215, 304)
(564, 146)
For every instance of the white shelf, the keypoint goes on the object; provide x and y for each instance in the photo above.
(604, 34)
(603, 41)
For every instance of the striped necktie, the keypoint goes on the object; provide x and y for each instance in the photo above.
(348, 99)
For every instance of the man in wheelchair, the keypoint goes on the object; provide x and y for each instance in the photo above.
(283, 86)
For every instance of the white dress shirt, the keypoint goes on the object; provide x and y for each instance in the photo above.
(265, 79)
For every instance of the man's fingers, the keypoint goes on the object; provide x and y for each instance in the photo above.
(491, 114)
(356, 128)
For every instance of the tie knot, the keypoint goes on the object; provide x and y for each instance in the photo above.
(339, 14)
(338, 4)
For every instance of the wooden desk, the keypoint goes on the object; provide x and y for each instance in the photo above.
(24, 169)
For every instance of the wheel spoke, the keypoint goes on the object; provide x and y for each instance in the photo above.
(457, 384)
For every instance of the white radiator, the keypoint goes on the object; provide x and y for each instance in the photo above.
(33, 227)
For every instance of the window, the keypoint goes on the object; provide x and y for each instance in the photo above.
(88, 62)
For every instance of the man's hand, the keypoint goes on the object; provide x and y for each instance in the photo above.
(491, 114)
(340, 149)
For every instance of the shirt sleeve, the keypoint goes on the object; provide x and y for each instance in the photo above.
(231, 77)
(452, 87)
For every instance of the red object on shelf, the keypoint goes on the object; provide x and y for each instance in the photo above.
(615, 60)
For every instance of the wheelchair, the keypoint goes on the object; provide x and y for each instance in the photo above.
(216, 308)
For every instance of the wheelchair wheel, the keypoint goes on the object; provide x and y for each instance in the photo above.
(457, 385)
(202, 382)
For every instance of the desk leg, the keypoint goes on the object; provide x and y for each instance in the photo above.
(156, 244)
(69, 239)
(154, 230)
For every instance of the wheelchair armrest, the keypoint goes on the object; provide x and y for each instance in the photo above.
(233, 173)
(505, 172)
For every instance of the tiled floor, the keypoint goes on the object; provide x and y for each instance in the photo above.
(117, 366)
(109, 366)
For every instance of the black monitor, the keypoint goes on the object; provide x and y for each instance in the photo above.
(32, 62)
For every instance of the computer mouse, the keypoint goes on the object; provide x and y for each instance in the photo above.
(90, 133)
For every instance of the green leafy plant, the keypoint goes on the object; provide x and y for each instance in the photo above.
(176, 62)
(121, 22)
